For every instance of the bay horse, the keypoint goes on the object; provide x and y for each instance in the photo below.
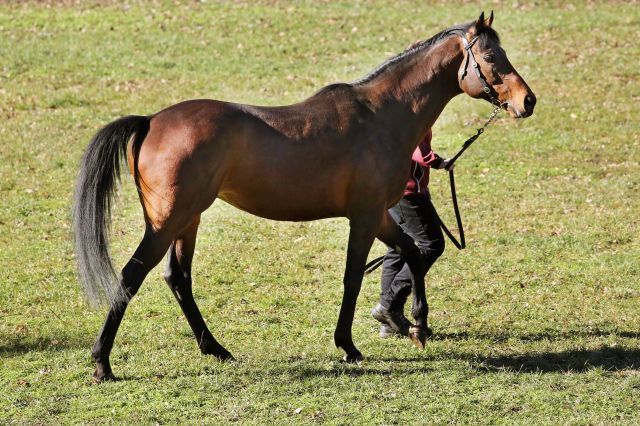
(343, 152)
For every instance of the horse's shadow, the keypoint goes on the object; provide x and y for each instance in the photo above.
(608, 358)
(575, 360)
(305, 372)
(550, 335)
(371, 366)
(15, 346)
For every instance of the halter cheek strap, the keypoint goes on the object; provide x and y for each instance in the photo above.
(470, 58)
(467, 46)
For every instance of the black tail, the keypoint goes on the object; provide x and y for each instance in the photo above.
(99, 173)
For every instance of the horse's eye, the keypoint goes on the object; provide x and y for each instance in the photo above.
(488, 57)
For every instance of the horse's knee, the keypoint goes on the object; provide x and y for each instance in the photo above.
(412, 255)
(438, 248)
(178, 280)
(408, 250)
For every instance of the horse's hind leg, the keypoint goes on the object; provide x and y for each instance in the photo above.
(147, 255)
(177, 274)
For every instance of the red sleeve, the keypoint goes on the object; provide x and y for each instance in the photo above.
(423, 154)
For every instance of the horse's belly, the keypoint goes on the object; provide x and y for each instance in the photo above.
(286, 196)
(284, 180)
(287, 207)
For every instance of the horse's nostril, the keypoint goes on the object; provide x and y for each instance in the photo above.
(529, 102)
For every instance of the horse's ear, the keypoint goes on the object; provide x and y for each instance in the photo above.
(480, 21)
(490, 20)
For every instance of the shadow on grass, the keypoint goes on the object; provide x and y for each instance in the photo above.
(570, 361)
(533, 337)
(577, 361)
(15, 346)
(574, 360)
(305, 372)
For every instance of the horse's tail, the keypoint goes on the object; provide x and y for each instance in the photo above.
(95, 187)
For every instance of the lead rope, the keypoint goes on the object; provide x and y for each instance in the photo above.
(452, 183)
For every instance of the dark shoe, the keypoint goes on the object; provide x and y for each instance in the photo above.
(386, 332)
(393, 320)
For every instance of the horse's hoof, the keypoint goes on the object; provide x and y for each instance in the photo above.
(225, 356)
(217, 350)
(354, 358)
(222, 354)
(99, 377)
(419, 336)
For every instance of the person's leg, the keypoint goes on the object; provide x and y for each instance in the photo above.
(422, 224)
(393, 322)
(418, 218)
(391, 266)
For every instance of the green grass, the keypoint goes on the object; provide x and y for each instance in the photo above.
(537, 321)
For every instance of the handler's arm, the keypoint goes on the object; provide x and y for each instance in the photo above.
(430, 158)
(440, 163)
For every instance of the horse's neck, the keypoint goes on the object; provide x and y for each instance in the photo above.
(421, 86)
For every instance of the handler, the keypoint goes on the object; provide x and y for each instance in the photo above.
(418, 218)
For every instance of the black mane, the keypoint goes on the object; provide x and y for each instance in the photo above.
(423, 45)
(485, 34)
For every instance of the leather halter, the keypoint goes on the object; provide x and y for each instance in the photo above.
(470, 58)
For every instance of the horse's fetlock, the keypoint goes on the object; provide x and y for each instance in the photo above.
(420, 312)
(97, 354)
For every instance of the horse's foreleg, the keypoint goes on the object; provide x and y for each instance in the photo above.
(147, 255)
(361, 236)
(177, 274)
(392, 235)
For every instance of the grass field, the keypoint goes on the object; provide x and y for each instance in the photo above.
(538, 321)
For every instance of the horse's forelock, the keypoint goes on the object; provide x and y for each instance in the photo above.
(486, 35)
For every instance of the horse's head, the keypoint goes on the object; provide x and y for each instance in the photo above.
(487, 73)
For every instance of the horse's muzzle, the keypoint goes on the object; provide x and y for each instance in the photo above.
(529, 104)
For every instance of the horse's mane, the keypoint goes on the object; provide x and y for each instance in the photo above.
(485, 34)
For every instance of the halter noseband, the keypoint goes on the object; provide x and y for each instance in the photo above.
(474, 64)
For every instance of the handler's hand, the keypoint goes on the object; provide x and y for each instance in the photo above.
(446, 164)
